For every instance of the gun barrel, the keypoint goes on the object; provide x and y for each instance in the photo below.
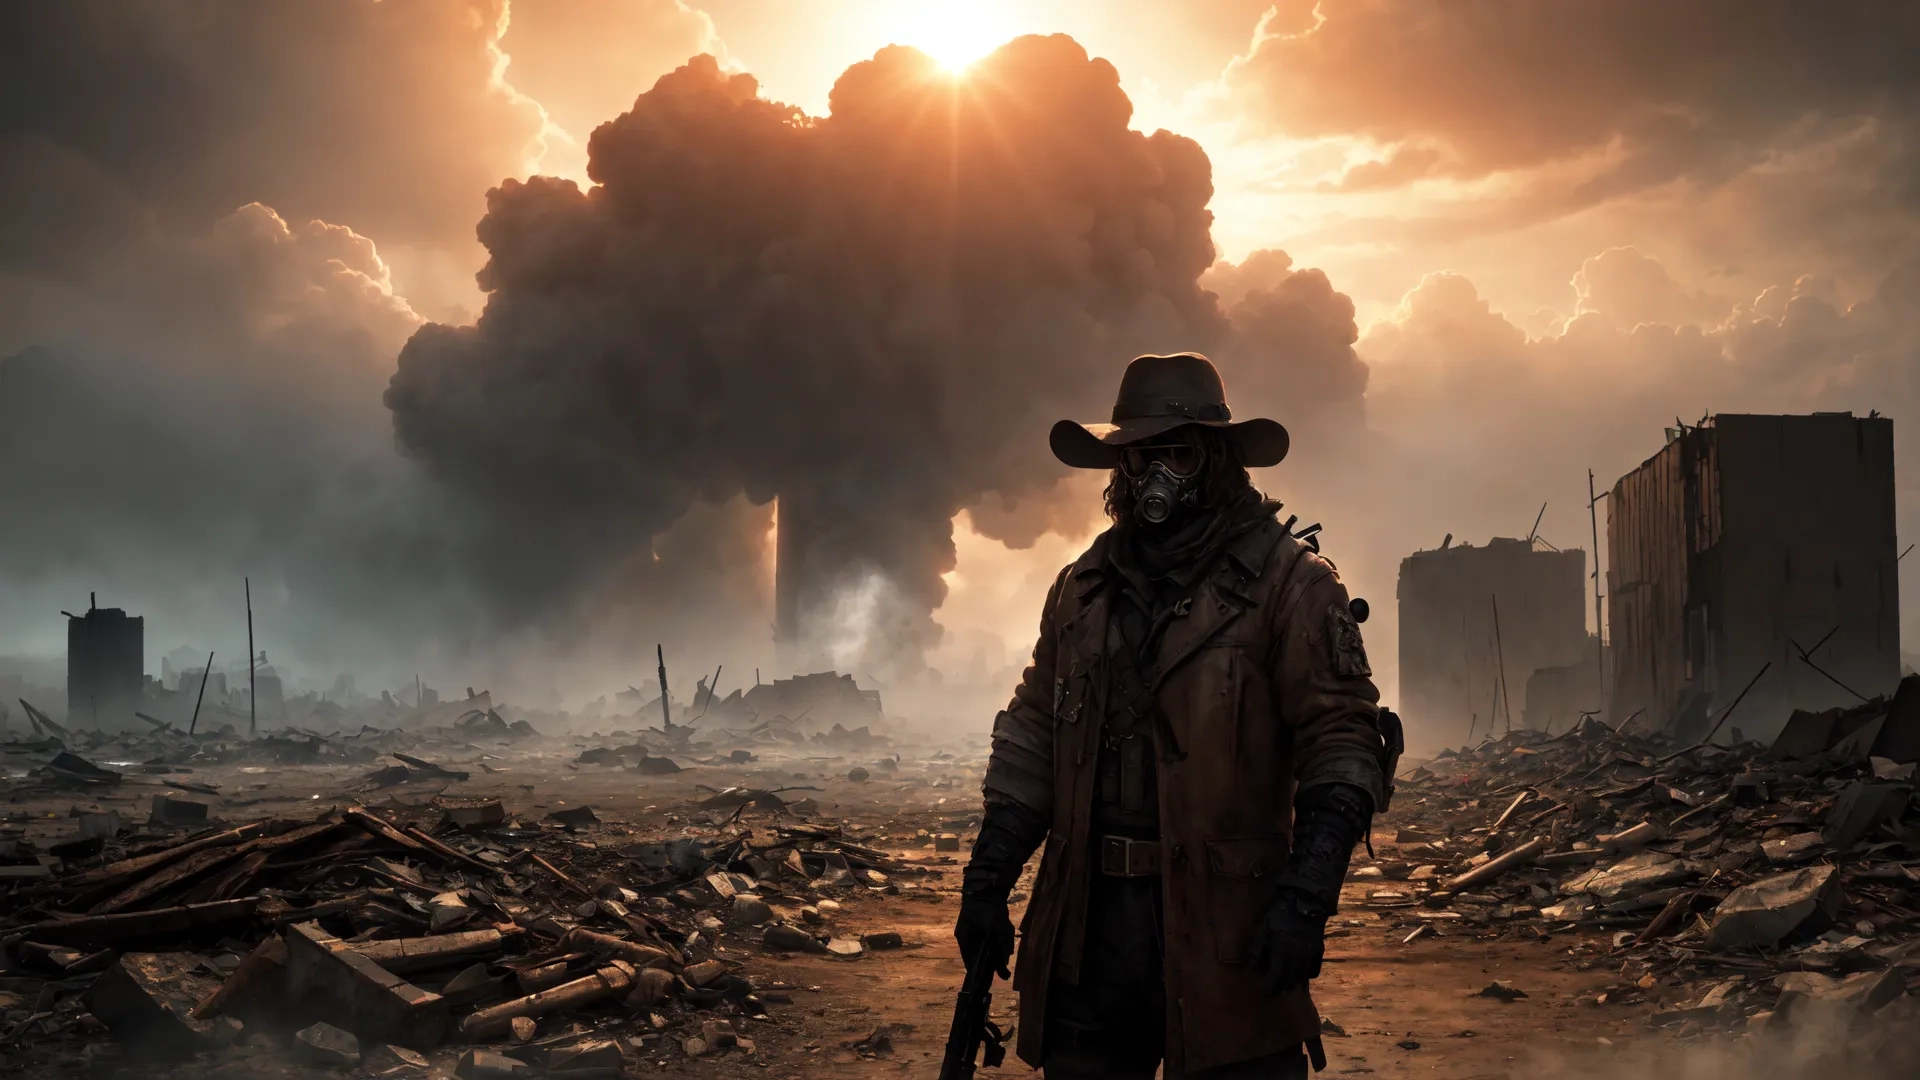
(971, 1025)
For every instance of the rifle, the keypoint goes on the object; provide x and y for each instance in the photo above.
(972, 1027)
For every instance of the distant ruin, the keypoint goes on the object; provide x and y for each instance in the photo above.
(106, 666)
(1452, 673)
(1753, 543)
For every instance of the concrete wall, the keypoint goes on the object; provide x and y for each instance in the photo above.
(1807, 551)
(1450, 658)
(1738, 540)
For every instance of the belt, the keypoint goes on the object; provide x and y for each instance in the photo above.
(1123, 856)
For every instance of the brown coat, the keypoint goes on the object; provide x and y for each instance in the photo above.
(1251, 680)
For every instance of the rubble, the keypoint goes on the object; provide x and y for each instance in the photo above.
(1713, 866)
(1769, 909)
(325, 1044)
(391, 939)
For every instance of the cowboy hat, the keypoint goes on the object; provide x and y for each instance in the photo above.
(1158, 394)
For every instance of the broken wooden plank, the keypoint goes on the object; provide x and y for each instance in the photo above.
(403, 955)
(146, 864)
(98, 931)
(179, 873)
(446, 852)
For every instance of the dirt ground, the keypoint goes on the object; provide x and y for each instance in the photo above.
(1406, 1009)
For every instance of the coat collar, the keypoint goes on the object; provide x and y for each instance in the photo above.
(1218, 598)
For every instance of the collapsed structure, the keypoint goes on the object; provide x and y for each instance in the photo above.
(1456, 667)
(1754, 550)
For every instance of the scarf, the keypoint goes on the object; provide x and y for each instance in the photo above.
(1160, 567)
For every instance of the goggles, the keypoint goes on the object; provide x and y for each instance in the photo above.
(1180, 459)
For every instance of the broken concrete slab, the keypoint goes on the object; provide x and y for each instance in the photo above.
(176, 813)
(1762, 913)
(1794, 848)
(147, 1000)
(1803, 993)
(327, 977)
(1633, 874)
(1862, 808)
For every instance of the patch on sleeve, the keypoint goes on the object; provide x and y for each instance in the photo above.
(1349, 653)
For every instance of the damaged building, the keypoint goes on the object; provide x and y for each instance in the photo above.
(1755, 550)
(1453, 656)
(106, 666)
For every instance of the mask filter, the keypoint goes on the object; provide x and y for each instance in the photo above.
(1158, 494)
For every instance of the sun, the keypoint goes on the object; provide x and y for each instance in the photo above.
(954, 32)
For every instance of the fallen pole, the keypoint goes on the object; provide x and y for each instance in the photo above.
(1510, 860)
(103, 930)
(633, 952)
(203, 694)
(491, 1023)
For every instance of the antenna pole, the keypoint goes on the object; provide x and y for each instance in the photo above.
(1599, 629)
(253, 694)
(1500, 654)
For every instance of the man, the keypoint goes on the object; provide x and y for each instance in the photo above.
(1198, 682)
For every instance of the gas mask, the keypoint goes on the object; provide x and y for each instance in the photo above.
(1165, 479)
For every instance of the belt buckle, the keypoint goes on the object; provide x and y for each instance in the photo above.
(1116, 855)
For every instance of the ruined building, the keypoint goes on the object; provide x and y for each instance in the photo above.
(1450, 654)
(106, 667)
(1742, 542)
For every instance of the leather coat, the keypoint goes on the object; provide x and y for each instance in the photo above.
(1264, 686)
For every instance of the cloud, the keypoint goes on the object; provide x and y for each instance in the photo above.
(1624, 284)
(585, 61)
(1519, 85)
(386, 116)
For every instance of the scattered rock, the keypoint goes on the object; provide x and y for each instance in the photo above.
(486, 1065)
(1760, 914)
(327, 1045)
(783, 938)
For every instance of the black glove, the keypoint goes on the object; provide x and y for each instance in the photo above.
(1009, 833)
(1290, 942)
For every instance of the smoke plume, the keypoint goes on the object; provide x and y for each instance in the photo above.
(873, 316)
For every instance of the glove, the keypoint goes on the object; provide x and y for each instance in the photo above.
(1009, 833)
(1289, 944)
(985, 924)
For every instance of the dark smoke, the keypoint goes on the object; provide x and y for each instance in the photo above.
(872, 315)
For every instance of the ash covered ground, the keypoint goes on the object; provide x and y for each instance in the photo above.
(464, 892)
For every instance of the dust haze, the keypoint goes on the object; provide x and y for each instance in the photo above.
(239, 337)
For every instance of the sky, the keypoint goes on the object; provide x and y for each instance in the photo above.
(482, 348)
